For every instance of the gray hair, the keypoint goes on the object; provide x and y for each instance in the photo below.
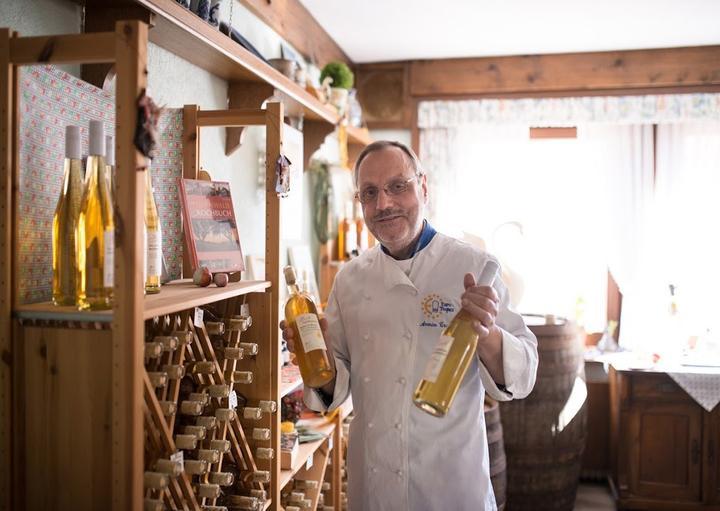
(379, 145)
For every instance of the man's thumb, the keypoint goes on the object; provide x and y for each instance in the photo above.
(469, 280)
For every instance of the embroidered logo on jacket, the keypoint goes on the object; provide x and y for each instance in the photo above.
(436, 310)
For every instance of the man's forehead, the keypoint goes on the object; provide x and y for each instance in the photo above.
(384, 164)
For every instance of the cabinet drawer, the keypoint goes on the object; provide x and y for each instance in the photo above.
(647, 386)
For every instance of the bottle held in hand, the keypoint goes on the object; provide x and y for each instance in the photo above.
(451, 357)
(310, 349)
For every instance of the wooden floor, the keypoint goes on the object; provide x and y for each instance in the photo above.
(594, 497)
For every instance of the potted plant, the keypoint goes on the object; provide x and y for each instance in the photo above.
(341, 80)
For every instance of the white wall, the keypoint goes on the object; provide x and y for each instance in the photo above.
(174, 82)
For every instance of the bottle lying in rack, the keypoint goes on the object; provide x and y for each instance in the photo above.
(67, 212)
(310, 349)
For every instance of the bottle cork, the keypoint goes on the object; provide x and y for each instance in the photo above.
(97, 139)
(72, 142)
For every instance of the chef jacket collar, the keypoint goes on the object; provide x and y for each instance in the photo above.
(425, 238)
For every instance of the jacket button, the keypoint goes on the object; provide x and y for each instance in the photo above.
(399, 473)
(366, 336)
(366, 379)
(398, 425)
(402, 380)
(373, 469)
(370, 425)
(407, 334)
(366, 296)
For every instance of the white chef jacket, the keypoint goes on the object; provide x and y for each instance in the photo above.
(384, 325)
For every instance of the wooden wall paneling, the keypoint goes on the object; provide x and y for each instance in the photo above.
(314, 133)
(292, 21)
(660, 70)
(273, 149)
(384, 93)
(244, 94)
(128, 334)
(67, 418)
(7, 115)
(316, 473)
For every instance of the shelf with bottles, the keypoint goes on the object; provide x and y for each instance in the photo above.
(175, 296)
(304, 491)
(181, 32)
(330, 426)
(209, 403)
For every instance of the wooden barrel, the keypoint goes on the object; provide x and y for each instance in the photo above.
(496, 450)
(545, 432)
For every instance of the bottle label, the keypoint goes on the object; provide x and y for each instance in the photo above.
(232, 400)
(437, 358)
(154, 253)
(310, 333)
(109, 258)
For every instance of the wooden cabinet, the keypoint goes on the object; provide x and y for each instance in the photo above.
(662, 444)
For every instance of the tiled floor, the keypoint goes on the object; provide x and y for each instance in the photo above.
(594, 497)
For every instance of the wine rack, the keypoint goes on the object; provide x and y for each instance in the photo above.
(196, 414)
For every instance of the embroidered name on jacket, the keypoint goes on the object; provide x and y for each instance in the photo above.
(437, 311)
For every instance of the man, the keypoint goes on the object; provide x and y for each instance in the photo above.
(385, 315)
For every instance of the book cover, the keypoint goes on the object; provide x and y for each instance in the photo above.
(210, 228)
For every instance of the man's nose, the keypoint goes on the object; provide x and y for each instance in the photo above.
(383, 200)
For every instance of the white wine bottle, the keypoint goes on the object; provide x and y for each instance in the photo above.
(110, 165)
(451, 358)
(153, 239)
(95, 232)
(67, 212)
(310, 349)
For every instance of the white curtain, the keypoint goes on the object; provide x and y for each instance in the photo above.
(539, 205)
(561, 212)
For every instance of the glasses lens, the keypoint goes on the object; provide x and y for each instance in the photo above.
(368, 194)
(397, 187)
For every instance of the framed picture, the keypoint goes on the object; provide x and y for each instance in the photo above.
(211, 233)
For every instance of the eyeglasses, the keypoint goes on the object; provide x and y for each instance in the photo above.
(393, 188)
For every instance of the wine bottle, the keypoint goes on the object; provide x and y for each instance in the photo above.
(261, 434)
(208, 491)
(95, 232)
(153, 505)
(351, 234)
(249, 348)
(209, 455)
(361, 228)
(451, 358)
(220, 445)
(252, 413)
(170, 467)
(207, 422)
(244, 502)
(196, 467)
(310, 349)
(233, 353)
(221, 478)
(155, 480)
(268, 406)
(264, 453)
(67, 212)
(238, 376)
(110, 165)
(187, 442)
(153, 349)
(153, 239)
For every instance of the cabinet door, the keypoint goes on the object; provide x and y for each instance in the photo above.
(666, 451)
(712, 457)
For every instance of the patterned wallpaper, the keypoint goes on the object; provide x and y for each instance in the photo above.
(49, 99)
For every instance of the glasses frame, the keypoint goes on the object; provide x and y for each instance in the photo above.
(386, 188)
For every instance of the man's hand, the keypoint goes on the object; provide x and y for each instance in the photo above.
(289, 335)
(482, 304)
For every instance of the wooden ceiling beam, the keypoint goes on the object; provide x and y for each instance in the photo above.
(667, 70)
(294, 23)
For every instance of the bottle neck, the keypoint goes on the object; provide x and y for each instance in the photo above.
(293, 288)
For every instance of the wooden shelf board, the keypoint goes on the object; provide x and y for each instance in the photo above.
(308, 449)
(291, 380)
(175, 296)
(181, 32)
